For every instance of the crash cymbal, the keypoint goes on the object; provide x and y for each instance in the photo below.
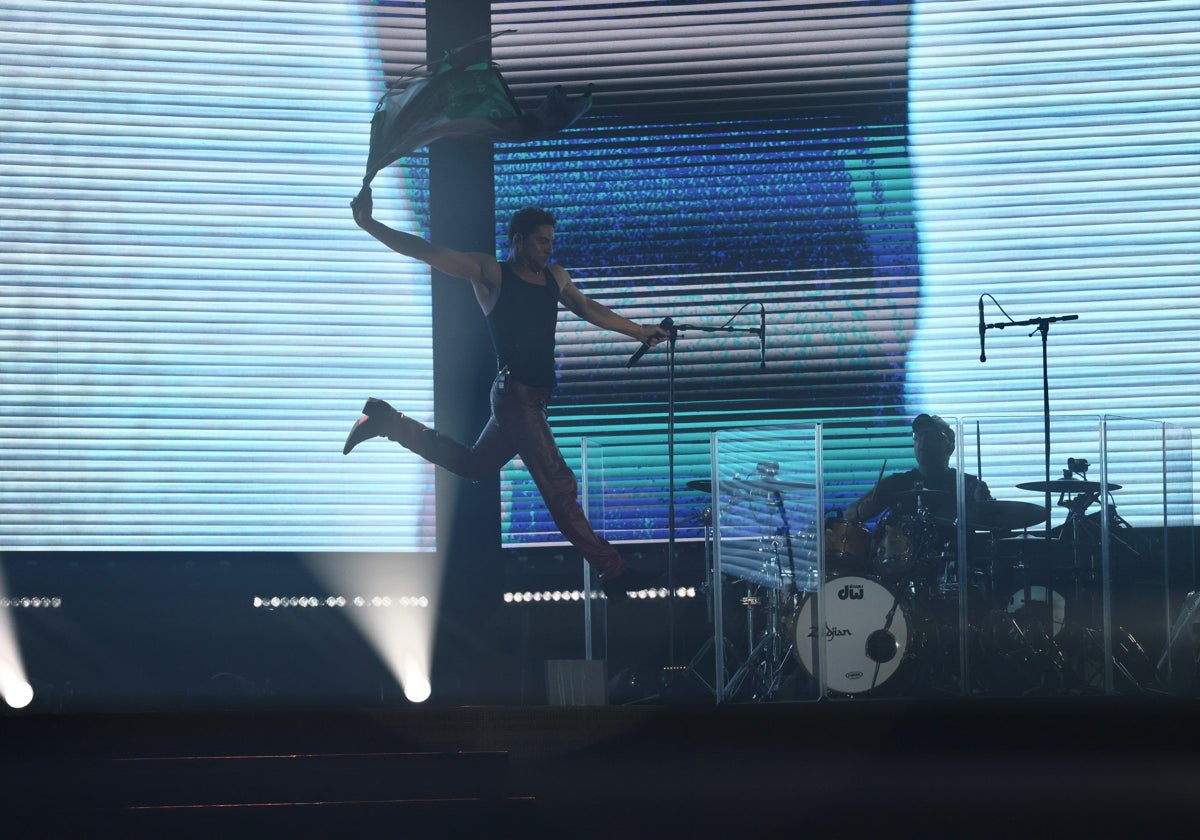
(1067, 485)
(702, 484)
(996, 515)
(768, 484)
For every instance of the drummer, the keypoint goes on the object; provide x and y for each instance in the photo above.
(933, 444)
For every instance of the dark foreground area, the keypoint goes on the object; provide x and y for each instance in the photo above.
(1106, 766)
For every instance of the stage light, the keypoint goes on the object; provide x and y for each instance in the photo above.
(393, 616)
(561, 596)
(17, 693)
(13, 684)
(416, 688)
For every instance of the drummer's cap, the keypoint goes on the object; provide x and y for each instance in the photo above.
(933, 423)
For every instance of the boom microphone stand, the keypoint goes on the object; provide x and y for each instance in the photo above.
(1042, 326)
(674, 330)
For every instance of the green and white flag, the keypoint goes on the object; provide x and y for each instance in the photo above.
(461, 96)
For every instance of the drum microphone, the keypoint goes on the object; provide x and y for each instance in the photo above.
(666, 324)
(982, 330)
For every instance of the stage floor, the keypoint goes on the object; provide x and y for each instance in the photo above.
(1105, 766)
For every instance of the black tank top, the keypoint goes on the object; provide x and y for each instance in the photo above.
(522, 324)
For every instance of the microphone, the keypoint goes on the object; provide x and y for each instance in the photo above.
(666, 324)
(762, 336)
(982, 330)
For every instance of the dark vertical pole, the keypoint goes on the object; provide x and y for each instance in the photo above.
(462, 216)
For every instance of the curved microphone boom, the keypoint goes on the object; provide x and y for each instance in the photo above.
(666, 324)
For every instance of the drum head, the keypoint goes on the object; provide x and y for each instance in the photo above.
(866, 635)
(1044, 612)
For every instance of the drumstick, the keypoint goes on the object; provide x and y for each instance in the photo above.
(882, 467)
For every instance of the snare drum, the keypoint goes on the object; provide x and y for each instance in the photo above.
(867, 636)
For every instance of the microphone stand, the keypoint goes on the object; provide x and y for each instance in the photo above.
(675, 329)
(1042, 325)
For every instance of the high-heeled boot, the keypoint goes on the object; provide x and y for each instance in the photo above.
(379, 420)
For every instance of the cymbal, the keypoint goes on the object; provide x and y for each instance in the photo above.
(925, 491)
(995, 515)
(1068, 485)
(1019, 539)
(768, 484)
(704, 485)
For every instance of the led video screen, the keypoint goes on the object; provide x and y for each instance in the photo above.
(192, 320)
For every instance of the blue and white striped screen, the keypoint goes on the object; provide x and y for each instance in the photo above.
(191, 320)
(867, 172)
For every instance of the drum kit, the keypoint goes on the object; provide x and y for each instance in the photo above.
(900, 620)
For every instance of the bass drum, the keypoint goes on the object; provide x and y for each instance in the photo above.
(867, 635)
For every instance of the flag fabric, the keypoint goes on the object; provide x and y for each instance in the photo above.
(462, 95)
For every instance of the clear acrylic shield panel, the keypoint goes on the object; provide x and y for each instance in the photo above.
(597, 507)
(766, 563)
(1145, 520)
(1057, 566)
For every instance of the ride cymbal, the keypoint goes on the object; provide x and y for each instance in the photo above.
(996, 515)
(1068, 485)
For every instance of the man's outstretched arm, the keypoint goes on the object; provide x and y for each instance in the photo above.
(478, 268)
(600, 315)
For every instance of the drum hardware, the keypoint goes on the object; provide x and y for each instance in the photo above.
(1178, 668)
(766, 657)
(769, 584)
(769, 648)
(1133, 672)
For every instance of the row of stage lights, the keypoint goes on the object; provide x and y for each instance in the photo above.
(338, 601)
(30, 603)
(578, 595)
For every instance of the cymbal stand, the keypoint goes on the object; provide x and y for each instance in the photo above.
(769, 655)
(1086, 535)
(766, 657)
